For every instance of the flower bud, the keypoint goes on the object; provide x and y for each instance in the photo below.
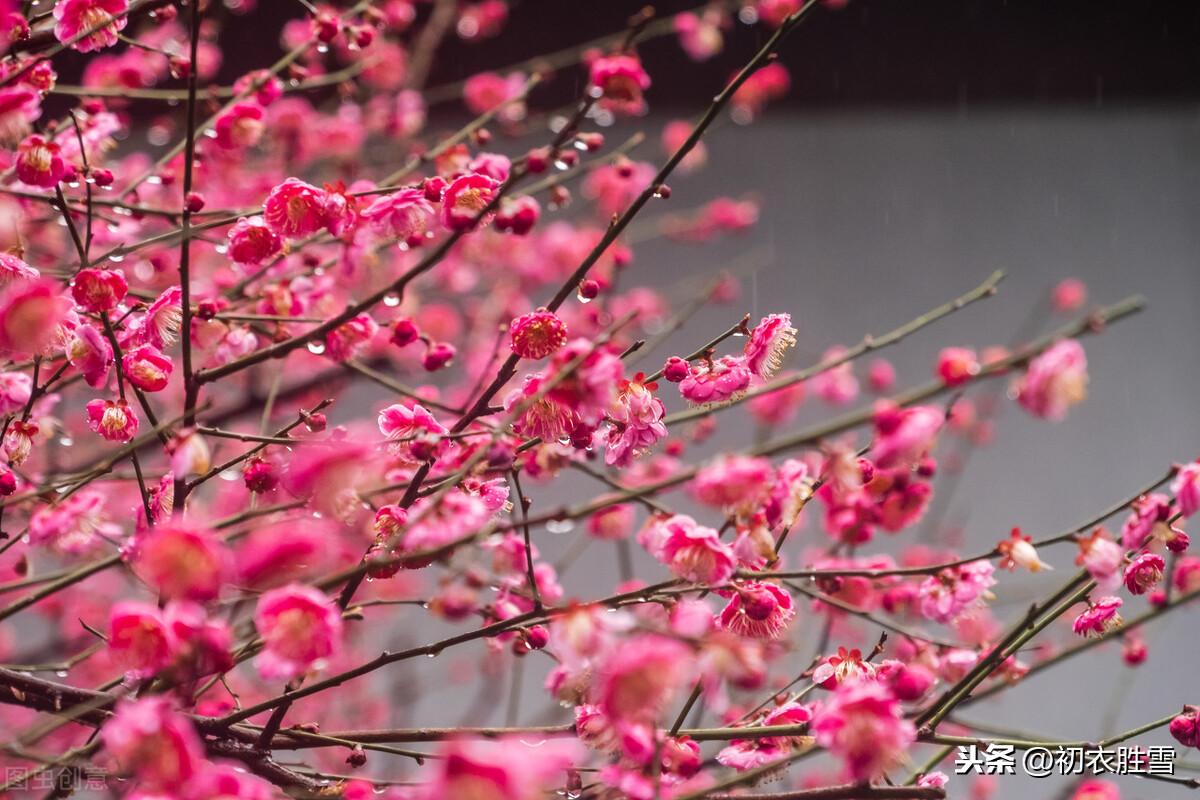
(325, 26)
(1183, 727)
(537, 637)
(1133, 651)
(956, 365)
(8, 481)
(676, 369)
(911, 682)
(538, 160)
(260, 475)
(434, 188)
(591, 141)
(438, 356)
(405, 332)
(363, 35)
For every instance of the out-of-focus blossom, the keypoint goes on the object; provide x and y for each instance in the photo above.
(301, 629)
(89, 24)
(182, 561)
(863, 726)
(1054, 381)
(155, 743)
(401, 215)
(620, 81)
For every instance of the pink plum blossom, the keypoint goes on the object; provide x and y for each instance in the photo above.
(863, 726)
(301, 630)
(1055, 380)
(696, 553)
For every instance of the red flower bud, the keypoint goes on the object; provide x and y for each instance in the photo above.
(438, 356)
(538, 160)
(260, 476)
(676, 369)
(8, 481)
(405, 332)
(591, 141)
(434, 188)
(537, 637)
(1183, 727)
(325, 26)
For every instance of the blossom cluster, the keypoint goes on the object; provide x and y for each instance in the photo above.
(283, 378)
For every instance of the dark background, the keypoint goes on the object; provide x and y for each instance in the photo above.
(871, 53)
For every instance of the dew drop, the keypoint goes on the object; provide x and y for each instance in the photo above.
(581, 298)
(391, 300)
(316, 348)
(560, 526)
